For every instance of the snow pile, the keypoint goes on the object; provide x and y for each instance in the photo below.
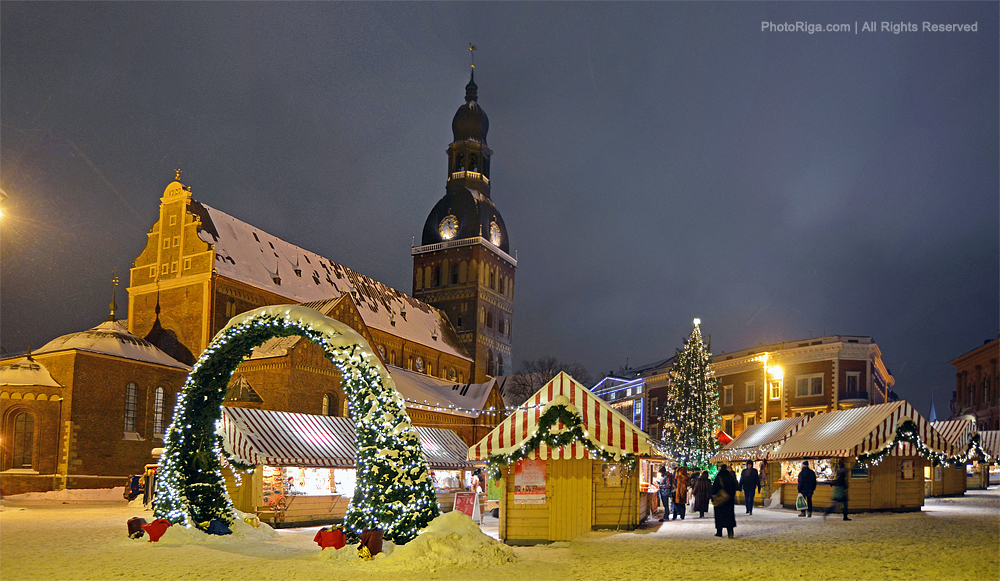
(242, 532)
(452, 539)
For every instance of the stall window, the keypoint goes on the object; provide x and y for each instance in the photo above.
(131, 405)
(24, 440)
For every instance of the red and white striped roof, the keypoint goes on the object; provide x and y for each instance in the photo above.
(958, 432)
(603, 426)
(758, 441)
(864, 430)
(253, 436)
(989, 441)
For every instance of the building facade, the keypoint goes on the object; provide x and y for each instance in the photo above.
(800, 378)
(463, 265)
(977, 392)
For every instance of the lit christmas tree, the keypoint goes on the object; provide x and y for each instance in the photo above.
(691, 409)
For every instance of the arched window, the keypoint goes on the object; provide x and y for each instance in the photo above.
(418, 280)
(463, 272)
(131, 406)
(482, 315)
(473, 162)
(489, 319)
(331, 404)
(158, 411)
(459, 162)
(493, 279)
(489, 362)
(499, 363)
(24, 440)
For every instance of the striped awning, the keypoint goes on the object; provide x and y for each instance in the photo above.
(989, 441)
(958, 432)
(758, 441)
(864, 430)
(273, 438)
(605, 428)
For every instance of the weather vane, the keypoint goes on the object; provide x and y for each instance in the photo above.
(472, 51)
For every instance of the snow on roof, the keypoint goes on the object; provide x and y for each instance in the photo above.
(112, 338)
(755, 442)
(26, 371)
(419, 389)
(247, 254)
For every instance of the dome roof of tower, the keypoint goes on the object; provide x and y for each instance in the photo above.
(475, 213)
(112, 338)
(26, 371)
(470, 122)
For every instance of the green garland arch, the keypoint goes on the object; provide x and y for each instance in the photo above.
(394, 491)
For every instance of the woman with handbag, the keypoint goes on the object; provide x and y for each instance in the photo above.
(724, 500)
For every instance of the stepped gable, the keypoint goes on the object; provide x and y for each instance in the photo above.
(252, 256)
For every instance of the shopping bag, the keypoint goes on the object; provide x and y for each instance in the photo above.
(839, 493)
(720, 497)
(800, 502)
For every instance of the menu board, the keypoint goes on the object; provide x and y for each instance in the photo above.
(467, 503)
(529, 482)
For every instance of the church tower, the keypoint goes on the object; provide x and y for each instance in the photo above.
(463, 265)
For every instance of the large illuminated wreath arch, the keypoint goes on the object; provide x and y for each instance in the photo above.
(394, 491)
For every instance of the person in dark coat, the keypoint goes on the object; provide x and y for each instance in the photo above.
(664, 490)
(725, 512)
(839, 491)
(750, 484)
(702, 494)
(807, 485)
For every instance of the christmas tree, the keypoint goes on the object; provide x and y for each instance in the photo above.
(691, 409)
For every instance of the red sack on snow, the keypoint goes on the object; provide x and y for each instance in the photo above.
(372, 539)
(135, 527)
(156, 529)
(330, 538)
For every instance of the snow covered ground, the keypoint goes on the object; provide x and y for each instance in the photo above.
(74, 535)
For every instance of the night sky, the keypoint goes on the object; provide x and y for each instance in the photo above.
(654, 162)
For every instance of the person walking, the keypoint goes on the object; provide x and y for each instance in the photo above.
(680, 492)
(750, 483)
(807, 485)
(839, 490)
(724, 499)
(702, 494)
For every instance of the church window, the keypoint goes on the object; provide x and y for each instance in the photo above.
(418, 282)
(473, 162)
(165, 269)
(489, 362)
(459, 162)
(187, 263)
(331, 405)
(24, 440)
(152, 271)
(454, 275)
(173, 220)
(131, 406)
(173, 266)
(493, 279)
(427, 277)
(489, 319)
(499, 363)
(177, 241)
(482, 315)
(158, 411)
(166, 243)
(463, 272)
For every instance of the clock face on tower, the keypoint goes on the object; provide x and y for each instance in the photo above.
(494, 234)
(448, 227)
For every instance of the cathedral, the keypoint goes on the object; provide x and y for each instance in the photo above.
(444, 345)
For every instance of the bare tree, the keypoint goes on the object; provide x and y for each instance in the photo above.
(534, 373)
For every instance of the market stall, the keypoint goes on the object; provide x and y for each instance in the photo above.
(951, 480)
(756, 443)
(985, 471)
(886, 470)
(305, 465)
(568, 464)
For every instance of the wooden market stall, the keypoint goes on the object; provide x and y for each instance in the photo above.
(893, 480)
(305, 465)
(985, 470)
(756, 443)
(557, 493)
(950, 480)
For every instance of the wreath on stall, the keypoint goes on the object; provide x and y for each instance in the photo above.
(906, 431)
(394, 492)
(559, 425)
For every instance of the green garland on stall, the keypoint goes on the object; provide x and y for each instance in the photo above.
(907, 432)
(572, 432)
(394, 491)
(976, 451)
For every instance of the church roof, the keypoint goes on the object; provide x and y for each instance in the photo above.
(249, 255)
(112, 338)
(470, 121)
(26, 371)
(475, 213)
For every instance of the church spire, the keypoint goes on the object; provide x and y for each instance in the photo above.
(113, 306)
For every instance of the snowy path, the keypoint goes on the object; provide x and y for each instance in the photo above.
(950, 539)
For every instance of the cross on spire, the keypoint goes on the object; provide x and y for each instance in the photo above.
(472, 53)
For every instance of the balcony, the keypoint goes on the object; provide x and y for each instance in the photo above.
(853, 399)
(456, 175)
